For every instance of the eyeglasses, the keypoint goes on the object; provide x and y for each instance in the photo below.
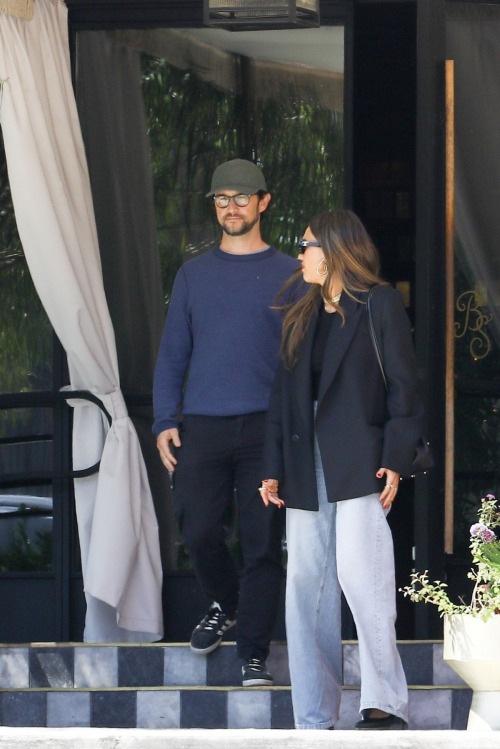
(222, 201)
(303, 245)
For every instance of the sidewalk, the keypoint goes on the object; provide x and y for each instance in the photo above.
(102, 738)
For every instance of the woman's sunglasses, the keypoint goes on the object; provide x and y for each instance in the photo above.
(303, 245)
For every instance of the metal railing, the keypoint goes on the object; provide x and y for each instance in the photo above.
(38, 478)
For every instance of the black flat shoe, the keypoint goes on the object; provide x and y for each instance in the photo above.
(390, 723)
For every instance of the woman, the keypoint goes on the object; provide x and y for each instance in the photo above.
(336, 445)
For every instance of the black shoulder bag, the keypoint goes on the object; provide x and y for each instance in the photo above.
(423, 459)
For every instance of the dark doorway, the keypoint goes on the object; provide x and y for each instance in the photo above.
(384, 139)
(160, 109)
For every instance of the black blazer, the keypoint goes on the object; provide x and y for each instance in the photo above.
(360, 428)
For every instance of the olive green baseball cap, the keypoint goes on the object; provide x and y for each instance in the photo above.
(239, 175)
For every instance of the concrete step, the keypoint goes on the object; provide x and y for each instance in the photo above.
(167, 686)
(431, 708)
(93, 738)
(70, 665)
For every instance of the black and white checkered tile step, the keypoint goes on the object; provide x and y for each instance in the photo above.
(67, 666)
(431, 708)
(167, 686)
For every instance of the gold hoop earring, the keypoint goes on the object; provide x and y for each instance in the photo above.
(326, 268)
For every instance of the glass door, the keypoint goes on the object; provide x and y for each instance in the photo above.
(473, 43)
(160, 110)
(35, 511)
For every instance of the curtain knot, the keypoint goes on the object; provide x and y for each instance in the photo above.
(115, 404)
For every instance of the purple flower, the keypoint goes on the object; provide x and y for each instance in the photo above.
(490, 496)
(477, 529)
(487, 536)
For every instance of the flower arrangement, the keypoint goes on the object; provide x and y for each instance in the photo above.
(485, 549)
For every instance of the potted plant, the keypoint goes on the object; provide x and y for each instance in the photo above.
(472, 631)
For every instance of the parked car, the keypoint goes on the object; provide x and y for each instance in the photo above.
(25, 527)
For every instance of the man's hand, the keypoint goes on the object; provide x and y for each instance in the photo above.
(163, 445)
(269, 493)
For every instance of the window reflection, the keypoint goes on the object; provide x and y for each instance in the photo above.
(160, 110)
(25, 512)
(25, 440)
(25, 531)
(273, 97)
(477, 335)
(473, 36)
(25, 331)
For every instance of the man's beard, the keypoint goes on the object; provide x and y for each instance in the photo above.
(244, 228)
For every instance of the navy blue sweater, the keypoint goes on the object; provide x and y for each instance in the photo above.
(220, 327)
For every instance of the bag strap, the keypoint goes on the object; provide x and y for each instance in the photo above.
(373, 335)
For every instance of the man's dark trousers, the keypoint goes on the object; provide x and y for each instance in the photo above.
(219, 454)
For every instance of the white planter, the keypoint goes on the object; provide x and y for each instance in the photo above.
(472, 649)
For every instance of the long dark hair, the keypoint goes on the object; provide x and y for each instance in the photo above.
(350, 257)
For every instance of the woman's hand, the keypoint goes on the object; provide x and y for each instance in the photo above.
(391, 487)
(269, 493)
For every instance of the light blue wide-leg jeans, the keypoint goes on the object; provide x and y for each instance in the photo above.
(344, 546)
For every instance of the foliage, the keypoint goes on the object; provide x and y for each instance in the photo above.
(193, 126)
(25, 332)
(491, 555)
(24, 556)
(485, 550)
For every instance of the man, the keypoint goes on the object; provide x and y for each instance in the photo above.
(220, 327)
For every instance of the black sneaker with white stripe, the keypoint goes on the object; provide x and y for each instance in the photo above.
(254, 673)
(208, 634)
